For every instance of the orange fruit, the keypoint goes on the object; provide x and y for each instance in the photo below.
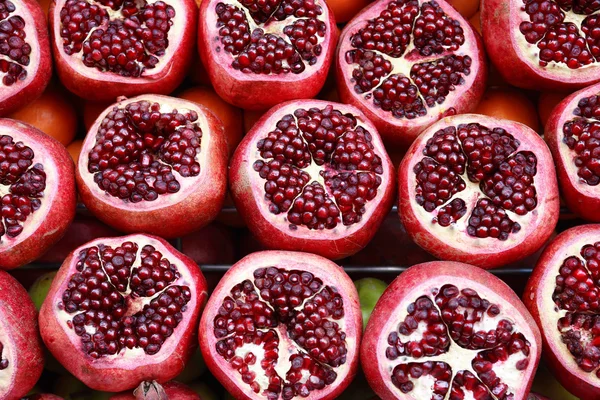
(91, 111)
(466, 8)
(74, 150)
(546, 103)
(476, 22)
(250, 118)
(510, 104)
(344, 10)
(52, 113)
(45, 4)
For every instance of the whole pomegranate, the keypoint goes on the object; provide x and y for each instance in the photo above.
(154, 164)
(109, 48)
(283, 325)
(38, 192)
(446, 330)
(573, 135)
(543, 44)
(155, 391)
(479, 189)
(314, 176)
(260, 53)
(123, 310)
(408, 63)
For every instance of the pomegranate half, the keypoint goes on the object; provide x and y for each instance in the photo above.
(123, 310)
(154, 164)
(446, 330)
(283, 325)
(261, 53)
(408, 63)
(479, 189)
(312, 176)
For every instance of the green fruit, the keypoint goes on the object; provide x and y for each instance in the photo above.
(546, 385)
(39, 290)
(369, 292)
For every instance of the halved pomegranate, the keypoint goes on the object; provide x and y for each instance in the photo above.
(562, 295)
(446, 330)
(573, 134)
(543, 44)
(154, 164)
(109, 48)
(260, 53)
(283, 325)
(479, 189)
(123, 310)
(408, 63)
(155, 391)
(313, 176)
(25, 60)
(37, 192)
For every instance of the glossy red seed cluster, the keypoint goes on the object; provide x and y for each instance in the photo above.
(13, 44)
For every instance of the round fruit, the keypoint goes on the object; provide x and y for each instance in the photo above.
(507, 103)
(92, 110)
(74, 150)
(543, 44)
(38, 186)
(344, 10)
(406, 64)
(479, 189)
(573, 134)
(109, 48)
(25, 60)
(475, 20)
(562, 295)
(39, 289)
(154, 164)
(282, 325)
(262, 53)
(546, 103)
(466, 8)
(450, 330)
(155, 391)
(313, 176)
(369, 291)
(251, 118)
(123, 310)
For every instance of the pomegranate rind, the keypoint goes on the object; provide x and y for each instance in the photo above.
(91, 84)
(20, 338)
(453, 243)
(402, 132)
(248, 193)
(197, 203)
(128, 368)
(538, 299)
(330, 273)
(419, 280)
(45, 226)
(174, 390)
(581, 198)
(260, 91)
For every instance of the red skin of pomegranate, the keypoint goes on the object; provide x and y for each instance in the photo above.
(538, 297)
(581, 198)
(453, 242)
(421, 280)
(174, 390)
(401, 132)
(126, 369)
(93, 84)
(273, 231)
(197, 203)
(45, 226)
(19, 335)
(330, 273)
(253, 91)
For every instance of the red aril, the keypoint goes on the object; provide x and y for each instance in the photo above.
(282, 325)
(123, 310)
(155, 391)
(313, 176)
(261, 53)
(446, 330)
(154, 164)
(408, 63)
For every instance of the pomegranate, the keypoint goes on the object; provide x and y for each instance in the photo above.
(543, 44)
(283, 325)
(480, 190)
(447, 330)
(154, 164)
(37, 195)
(408, 63)
(25, 60)
(109, 48)
(313, 176)
(21, 356)
(154, 391)
(261, 53)
(562, 295)
(123, 310)
(573, 135)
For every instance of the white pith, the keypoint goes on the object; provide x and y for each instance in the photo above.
(9, 350)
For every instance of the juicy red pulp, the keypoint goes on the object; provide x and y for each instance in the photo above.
(344, 165)
(254, 319)
(14, 48)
